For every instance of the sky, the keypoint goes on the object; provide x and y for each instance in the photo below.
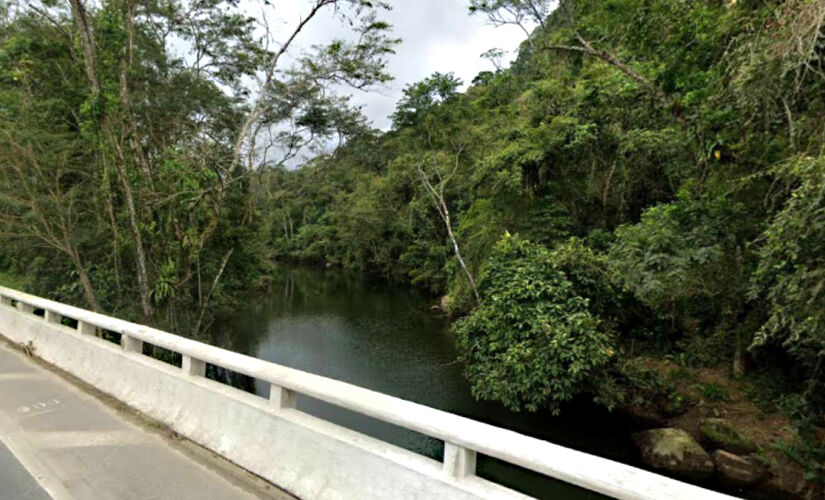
(437, 36)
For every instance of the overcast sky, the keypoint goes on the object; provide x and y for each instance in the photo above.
(437, 35)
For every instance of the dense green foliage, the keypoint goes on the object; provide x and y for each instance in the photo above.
(532, 342)
(659, 164)
(679, 143)
(683, 259)
(130, 137)
(791, 273)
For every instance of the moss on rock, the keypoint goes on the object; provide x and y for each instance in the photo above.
(720, 434)
(674, 451)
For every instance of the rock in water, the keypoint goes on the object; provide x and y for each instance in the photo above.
(674, 451)
(720, 434)
(736, 470)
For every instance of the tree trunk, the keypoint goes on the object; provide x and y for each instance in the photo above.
(437, 197)
(461, 259)
(140, 255)
(205, 302)
(739, 349)
(79, 14)
(739, 357)
(88, 289)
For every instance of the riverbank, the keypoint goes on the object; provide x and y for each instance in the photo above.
(305, 305)
(730, 436)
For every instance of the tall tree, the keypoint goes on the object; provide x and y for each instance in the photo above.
(182, 104)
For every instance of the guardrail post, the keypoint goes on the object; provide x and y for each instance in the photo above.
(25, 308)
(131, 344)
(281, 398)
(86, 328)
(6, 301)
(459, 462)
(53, 317)
(193, 367)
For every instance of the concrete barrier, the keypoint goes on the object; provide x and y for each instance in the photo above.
(309, 457)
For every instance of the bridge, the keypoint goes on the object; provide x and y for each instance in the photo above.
(300, 455)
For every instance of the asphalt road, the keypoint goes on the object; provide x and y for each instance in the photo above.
(57, 441)
(15, 481)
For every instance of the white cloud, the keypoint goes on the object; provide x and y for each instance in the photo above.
(437, 35)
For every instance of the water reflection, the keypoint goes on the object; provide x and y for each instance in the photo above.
(387, 338)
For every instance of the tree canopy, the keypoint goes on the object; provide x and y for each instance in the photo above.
(679, 143)
(643, 174)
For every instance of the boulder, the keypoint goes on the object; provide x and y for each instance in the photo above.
(720, 434)
(737, 471)
(674, 451)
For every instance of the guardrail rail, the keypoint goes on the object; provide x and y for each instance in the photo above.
(463, 438)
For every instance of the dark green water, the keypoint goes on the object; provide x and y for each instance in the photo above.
(387, 338)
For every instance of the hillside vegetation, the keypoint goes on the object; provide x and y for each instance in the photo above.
(644, 184)
(647, 178)
(655, 169)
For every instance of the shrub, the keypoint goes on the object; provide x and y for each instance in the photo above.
(682, 257)
(791, 271)
(532, 342)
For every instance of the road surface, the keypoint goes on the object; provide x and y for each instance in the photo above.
(58, 441)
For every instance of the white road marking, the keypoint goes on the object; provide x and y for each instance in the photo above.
(39, 406)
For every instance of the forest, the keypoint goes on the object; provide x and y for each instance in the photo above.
(636, 202)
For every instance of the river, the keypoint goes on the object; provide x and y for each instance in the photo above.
(386, 337)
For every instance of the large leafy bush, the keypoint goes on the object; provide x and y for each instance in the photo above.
(532, 342)
(684, 259)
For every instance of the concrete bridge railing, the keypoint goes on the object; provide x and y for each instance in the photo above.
(309, 457)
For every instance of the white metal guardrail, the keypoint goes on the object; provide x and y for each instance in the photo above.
(463, 438)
